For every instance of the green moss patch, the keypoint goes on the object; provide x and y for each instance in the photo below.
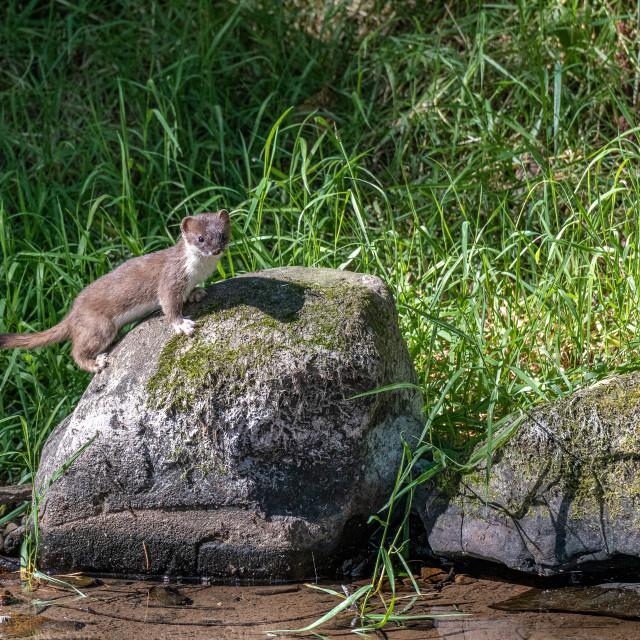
(242, 335)
(585, 448)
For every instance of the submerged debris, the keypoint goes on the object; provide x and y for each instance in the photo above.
(167, 596)
(7, 598)
(621, 600)
(25, 625)
(432, 574)
(79, 581)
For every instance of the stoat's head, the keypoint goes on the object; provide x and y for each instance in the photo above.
(207, 233)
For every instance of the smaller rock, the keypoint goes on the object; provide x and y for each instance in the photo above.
(14, 540)
(461, 578)
(12, 526)
(7, 598)
(432, 574)
(562, 494)
(15, 495)
(168, 596)
(8, 565)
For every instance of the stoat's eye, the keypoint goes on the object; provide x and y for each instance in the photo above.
(200, 239)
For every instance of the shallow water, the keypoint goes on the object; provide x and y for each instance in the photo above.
(146, 610)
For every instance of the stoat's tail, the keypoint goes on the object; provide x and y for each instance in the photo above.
(33, 340)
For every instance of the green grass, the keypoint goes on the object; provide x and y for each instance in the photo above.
(481, 159)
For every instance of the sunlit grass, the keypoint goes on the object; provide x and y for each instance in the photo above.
(509, 260)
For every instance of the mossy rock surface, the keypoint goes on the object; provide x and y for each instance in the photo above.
(564, 491)
(239, 451)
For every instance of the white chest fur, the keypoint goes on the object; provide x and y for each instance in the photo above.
(198, 268)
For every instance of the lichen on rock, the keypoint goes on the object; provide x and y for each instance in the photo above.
(240, 446)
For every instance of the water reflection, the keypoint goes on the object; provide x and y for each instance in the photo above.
(146, 610)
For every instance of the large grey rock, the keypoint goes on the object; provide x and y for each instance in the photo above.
(238, 451)
(564, 491)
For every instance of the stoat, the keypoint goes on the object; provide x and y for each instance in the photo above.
(164, 279)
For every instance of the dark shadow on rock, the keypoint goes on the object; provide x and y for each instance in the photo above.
(280, 299)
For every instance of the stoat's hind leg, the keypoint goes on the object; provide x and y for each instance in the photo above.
(90, 340)
(196, 295)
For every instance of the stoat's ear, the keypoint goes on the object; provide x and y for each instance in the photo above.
(224, 215)
(186, 222)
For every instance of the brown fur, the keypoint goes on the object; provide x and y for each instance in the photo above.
(160, 279)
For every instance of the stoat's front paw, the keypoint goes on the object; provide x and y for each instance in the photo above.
(196, 295)
(186, 326)
(102, 361)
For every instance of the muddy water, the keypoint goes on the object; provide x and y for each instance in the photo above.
(146, 610)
